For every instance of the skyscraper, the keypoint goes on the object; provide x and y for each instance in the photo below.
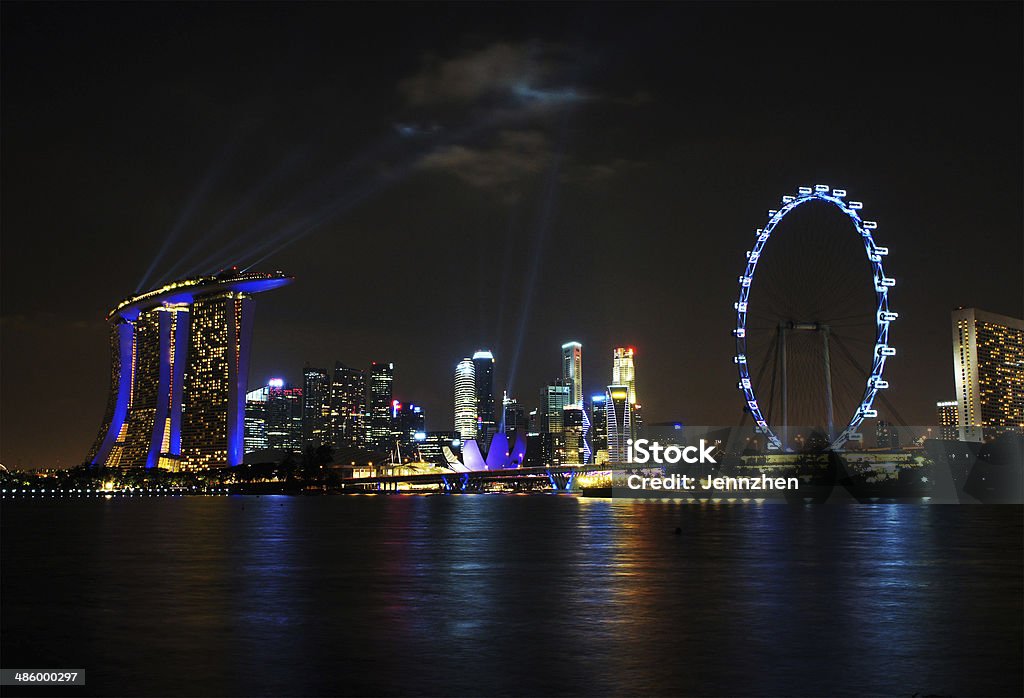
(348, 407)
(550, 440)
(573, 446)
(988, 364)
(316, 407)
(256, 419)
(599, 428)
(284, 416)
(180, 359)
(618, 422)
(572, 371)
(407, 421)
(623, 370)
(465, 399)
(946, 413)
(554, 397)
(382, 376)
(513, 417)
(487, 425)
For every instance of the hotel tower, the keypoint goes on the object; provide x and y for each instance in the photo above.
(988, 369)
(179, 365)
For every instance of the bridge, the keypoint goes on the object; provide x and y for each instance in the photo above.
(556, 478)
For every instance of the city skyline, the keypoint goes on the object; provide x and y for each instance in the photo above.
(577, 193)
(703, 319)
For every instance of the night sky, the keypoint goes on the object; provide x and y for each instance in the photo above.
(511, 177)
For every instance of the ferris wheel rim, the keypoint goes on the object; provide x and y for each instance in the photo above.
(883, 315)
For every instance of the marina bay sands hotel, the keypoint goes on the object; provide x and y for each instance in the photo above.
(180, 362)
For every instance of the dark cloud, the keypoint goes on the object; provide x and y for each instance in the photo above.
(515, 158)
(526, 75)
(413, 130)
(595, 173)
(516, 155)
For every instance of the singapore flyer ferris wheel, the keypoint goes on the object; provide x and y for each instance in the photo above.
(812, 322)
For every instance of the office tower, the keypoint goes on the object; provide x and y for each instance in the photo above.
(552, 399)
(623, 370)
(886, 434)
(574, 448)
(636, 420)
(598, 434)
(256, 419)
(487, 425)
(551, 425)
(513, 416)
(619, 414)
(284, 416)
(572, 371)
(316, 407)
(534, 439)
(179, 365)
(465, 399)
(407, 421)
(988, 363)
(587, 451)
(348, 407)
(946, 413)
(382, 376)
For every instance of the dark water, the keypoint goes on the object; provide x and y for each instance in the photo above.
(535, 595)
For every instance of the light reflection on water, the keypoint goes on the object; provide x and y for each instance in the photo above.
(483, 595)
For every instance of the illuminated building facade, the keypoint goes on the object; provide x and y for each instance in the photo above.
(988, 364)
(433, 443)
(554, 398)
(574, 447)
(513, 416)
(946, 413)
(316, 407)
(180, 359)
(381, 380)
(348, 407)
(465, 399)
(486, 425)
(598, 433)
(284, 416)
(624, 370)
(256, 419)
(572, 371)
(619, 422)
(408, 425)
